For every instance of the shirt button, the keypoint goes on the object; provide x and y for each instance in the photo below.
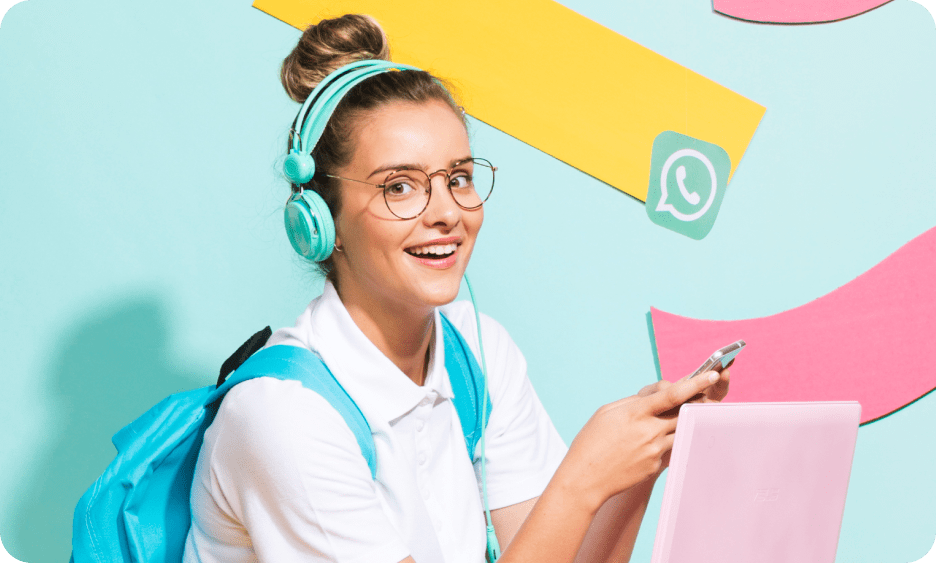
(426, 493)
(420, 425)
(422, 459)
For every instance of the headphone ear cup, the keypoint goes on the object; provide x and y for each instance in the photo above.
(299, 167)
(310, 226)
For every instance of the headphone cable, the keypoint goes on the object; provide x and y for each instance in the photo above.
(493, 547)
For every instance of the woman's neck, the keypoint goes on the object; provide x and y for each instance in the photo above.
(401, 333)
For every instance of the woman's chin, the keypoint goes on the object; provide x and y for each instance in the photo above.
(439, 290)
(441, 294)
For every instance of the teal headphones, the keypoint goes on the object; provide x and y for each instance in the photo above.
(308, 220)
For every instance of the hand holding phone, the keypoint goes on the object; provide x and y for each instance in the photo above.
(720, 359)
(718, 362)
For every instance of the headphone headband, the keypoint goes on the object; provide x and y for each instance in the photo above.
(321, 103)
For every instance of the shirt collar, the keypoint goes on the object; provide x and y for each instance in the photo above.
(376, 384)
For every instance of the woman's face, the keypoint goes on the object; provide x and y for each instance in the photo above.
(385, 260)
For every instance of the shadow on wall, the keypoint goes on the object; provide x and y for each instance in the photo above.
(109, 369)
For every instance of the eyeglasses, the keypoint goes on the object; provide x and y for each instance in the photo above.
(407, 191)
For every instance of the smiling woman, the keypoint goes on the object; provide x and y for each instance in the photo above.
(388, 200)
(409, 266)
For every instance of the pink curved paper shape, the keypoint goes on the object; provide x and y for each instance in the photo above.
(872, 340)
(795, 11)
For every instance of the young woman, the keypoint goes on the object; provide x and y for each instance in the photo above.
(281, 477)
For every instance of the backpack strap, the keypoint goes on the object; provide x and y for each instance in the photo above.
(300, 364)
(246, 350)
(467, 385)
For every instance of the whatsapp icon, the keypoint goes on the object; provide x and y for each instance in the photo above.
(688, 178)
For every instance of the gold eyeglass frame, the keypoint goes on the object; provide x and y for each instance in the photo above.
(448, 178)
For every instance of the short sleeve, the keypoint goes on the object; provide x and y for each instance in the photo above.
(523, 447)
(286, 475)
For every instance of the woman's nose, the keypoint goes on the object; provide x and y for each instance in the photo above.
(442, 206)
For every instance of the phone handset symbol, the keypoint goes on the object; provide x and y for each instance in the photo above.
(691, 197)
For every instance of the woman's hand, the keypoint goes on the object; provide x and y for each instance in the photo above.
(620, 450)
(625, 442)
(713, 394)
(717, 392)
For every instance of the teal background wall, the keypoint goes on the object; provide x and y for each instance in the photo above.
(141, 238)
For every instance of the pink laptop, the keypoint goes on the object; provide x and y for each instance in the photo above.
(757, 483)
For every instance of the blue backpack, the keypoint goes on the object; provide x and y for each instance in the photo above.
(138, 510)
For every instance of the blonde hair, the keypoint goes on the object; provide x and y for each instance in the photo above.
(329, 45)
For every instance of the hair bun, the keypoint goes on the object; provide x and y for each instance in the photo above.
(329, 45)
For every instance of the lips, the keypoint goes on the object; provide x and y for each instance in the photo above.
(433, 251)
(437, 253)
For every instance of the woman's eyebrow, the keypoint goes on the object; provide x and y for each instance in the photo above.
(399, 166)
(413, 166)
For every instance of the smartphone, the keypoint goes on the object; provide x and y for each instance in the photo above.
(720, 359)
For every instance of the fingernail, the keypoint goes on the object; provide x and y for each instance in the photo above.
(713, 377)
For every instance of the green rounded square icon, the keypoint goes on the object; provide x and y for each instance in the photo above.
(688, 178)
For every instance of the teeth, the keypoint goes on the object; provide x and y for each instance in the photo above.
(438, 250)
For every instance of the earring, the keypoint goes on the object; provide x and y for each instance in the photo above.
(338, 248)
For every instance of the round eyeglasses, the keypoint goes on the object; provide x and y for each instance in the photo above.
(407, 191)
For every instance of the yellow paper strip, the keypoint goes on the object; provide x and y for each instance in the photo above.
(554, 79)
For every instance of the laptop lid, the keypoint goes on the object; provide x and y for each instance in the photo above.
(757, 482)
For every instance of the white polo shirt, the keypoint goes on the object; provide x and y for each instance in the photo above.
(281, 478)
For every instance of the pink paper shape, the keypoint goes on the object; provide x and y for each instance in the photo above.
(795, 11)
(872, 340)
